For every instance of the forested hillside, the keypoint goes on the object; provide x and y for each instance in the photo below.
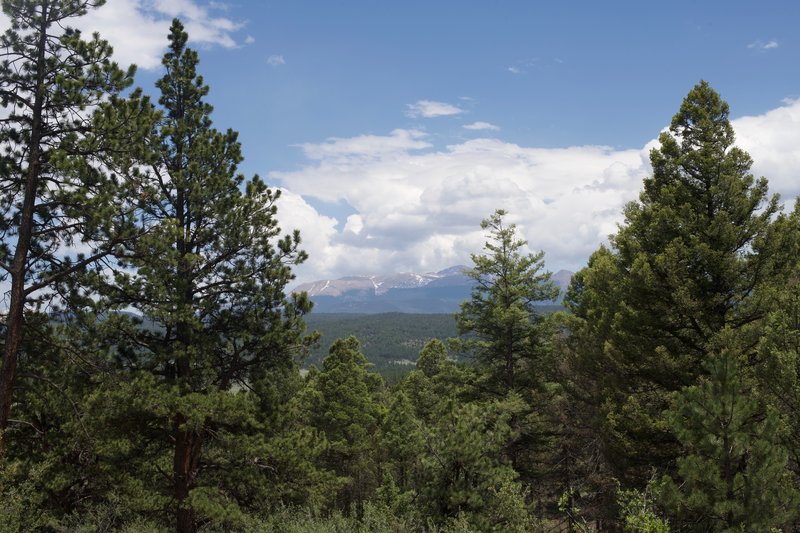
(180, 388)
(386, 339)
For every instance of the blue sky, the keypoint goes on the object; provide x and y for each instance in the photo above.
(609, 73)
(395, 127)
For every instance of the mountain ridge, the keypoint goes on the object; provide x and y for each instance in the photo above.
(405, 292)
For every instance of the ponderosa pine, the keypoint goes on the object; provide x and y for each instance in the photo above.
(208, 274)
(66, 138)
(685, 265)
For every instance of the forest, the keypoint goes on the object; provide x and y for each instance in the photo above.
(152, 354)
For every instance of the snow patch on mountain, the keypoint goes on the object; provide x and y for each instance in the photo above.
(380, 284)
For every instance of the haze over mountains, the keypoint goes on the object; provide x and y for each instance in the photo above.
(404, 292)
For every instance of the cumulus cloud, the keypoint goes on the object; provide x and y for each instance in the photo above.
(773, 141)
(477, 126)
(419, 208)
(431, 109)
(421, 211)
(763, 45)
(342, 151)
(276, 60)
(138, 28)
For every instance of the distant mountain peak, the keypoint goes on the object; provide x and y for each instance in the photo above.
(453, 270)
(408, 292)
(377, 284)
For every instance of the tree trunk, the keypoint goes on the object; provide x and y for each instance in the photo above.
(16, 310)
(187, 456)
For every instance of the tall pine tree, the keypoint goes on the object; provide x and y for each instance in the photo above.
(65, 135)
(684, 266)
(505, 331)
(208, 275)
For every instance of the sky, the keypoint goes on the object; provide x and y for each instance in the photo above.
(393, 128)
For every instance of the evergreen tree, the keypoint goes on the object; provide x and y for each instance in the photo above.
(510, 340)
(343, 402)
(778, 360)
(208, 275)
(59, 162)
(436, 381)
(508, 332)
(686, 264)
(432, 357)
(463, 472)
(733, 474)
(401, 441)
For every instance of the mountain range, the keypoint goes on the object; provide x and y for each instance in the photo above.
(404, 292)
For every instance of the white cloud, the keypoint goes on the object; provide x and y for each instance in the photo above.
(138, 28)
(318, 234)
(276, 60)
(773, 141)
(515, 70)
(249, 39)
(419, 209)
(763, 45)
(342, 151)
(477, 126)
(431, 109)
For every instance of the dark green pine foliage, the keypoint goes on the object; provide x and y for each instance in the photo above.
(463, 473)
(693, 244)
(587, 374)
(511, 340)
(208, 274)
(66, 142)
(435, 381)
(732, 475)
(778, 361)
(432, 358)
(401, 443)
(47, 473)
(687, 263)
(290, 471)
(343, 402)
(507, 334)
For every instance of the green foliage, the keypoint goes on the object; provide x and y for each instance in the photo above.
(638, 513)
(208, 270)
(733, 475)
(342, 401)
(169, 394)
(67, 140)
(432, 357)
(778, 368)
(463, 472)
(686, 264)
(386, 338)
(508, 332)
(402, 440)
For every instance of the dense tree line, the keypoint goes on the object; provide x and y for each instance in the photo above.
(151, 375)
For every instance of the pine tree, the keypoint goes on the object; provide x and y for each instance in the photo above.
(777, 365)
(685, 265)
(401, 440)
(208, 275)
(510, 340)
(60, 163)
(342, 401)
(508, 331)
(432, 357)
(733, 474)
(463, 472)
